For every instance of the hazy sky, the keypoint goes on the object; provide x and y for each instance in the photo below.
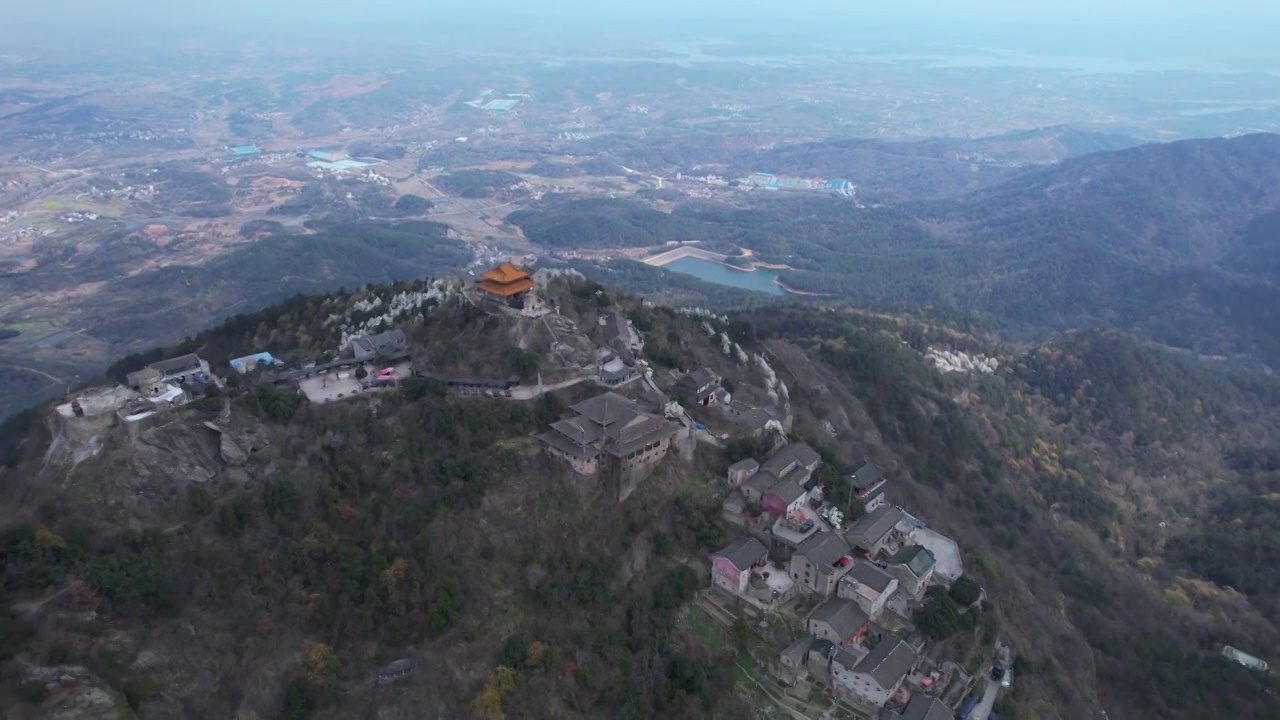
(425, 9)
(1205, 29)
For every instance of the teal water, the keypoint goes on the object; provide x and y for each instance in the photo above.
(760, 280)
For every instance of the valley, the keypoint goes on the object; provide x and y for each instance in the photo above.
(118, 198)
(434, 369)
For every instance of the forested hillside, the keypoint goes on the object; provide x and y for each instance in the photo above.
(1082, 475)
(1099, 488)
(354, 534)
(1178, 241)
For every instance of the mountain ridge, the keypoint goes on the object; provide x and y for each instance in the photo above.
(1179, 241)
(1061, 489)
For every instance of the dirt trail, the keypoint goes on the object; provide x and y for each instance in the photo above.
(39, 372)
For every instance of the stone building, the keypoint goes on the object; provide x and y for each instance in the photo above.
(869, 586)
(610, 436)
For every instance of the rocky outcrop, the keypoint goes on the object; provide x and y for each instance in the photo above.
(230, 452)
(954, 361)
(75, 693)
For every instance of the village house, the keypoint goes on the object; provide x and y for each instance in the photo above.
(778, 488)
(794, 461)
(273, 375)
(249, 363)
(740, 471)
(819, 661)
(698, 387)
(840, 622)
(784, 499)
(868, 483)
(610, 435)
(922, 707)
(741, 571)
(731, 567)
(652, 401)
(621, 335)
(913, 567)
(754, 421)
(182, 369)
(869, 586)
(878, 530)
(386, 347)
(820, 562)
(874, 678)
(949, 564)
(793, 659)
(759, 483)
(733, 510)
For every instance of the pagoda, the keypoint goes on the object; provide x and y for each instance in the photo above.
(505, 282)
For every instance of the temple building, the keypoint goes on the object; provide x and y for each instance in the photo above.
(610, 436)
(507, 283)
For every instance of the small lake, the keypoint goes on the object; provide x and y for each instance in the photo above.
(760, 280)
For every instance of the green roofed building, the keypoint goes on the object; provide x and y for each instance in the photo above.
(913, 567)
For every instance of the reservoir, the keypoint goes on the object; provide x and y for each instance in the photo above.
(759, 280)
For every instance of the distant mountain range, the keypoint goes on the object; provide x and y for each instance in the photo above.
(1180, 241)
(899, 171)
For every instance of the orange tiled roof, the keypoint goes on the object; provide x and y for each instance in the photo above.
(505, 273)
(504, 289)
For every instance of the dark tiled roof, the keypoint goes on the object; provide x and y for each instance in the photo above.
(612, 423)
(173, 366)
(607, 409)
(923, 707)
(390, 345)
(703, 377)
(821, 647)
(656, 400)
(179, 364)
(797, 453)
(797, 650)
(824, 550)
(866, 476)
(638, 432)
(762, 481)
(888, 662)
(577, 429)
(844, 616)
(845, 658)
(566, 446)
(916, 559)
(873, 577)
(753, 419)
(743, 552)
(696, 381)
(748, 416)
(615, 328)
(787, 491)
(872, 527)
